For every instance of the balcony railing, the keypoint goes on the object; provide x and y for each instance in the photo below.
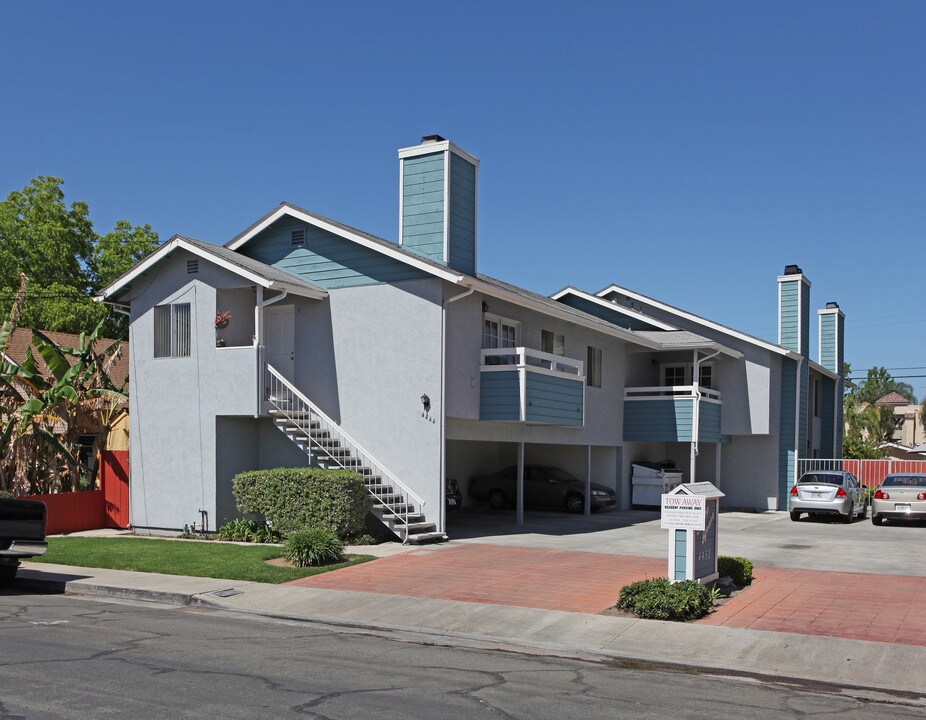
(679, 391)
(525, 385)
(676, 413)
(502, 358)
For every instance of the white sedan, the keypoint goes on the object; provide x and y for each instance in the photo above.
(901, 496)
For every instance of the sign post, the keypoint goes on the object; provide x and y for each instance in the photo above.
(689, 512)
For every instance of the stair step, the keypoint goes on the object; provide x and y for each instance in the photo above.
(419, 538)
(396, 509)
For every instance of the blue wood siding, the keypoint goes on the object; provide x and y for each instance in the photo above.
(788, 299)
(554, 400)
(681, 544)
(666, 420)
(709, 422)
(828, 419)
(500, 395)
(326, 259)
(423, 205)
(828, 341)
(786, 449)
(610, 316)
(462, 214)
(803, 435)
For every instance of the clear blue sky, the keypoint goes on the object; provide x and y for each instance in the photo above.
(685, 150)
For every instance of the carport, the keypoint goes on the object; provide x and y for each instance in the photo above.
(466, 459)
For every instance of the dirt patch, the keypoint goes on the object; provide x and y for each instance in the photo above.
(280, 562)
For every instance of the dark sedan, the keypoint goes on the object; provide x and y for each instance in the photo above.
(544, 486)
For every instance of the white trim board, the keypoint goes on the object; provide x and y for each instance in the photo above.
(699, 320)
(181, 243)
(619, 309)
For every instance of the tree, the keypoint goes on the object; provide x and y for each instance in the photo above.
(880, 383)
(43, 417)
(65, 260)
(863, 431)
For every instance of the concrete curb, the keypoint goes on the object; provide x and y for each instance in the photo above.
(857, 667)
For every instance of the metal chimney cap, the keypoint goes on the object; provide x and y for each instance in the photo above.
(793, 270)
(432, 138)
(832, 304)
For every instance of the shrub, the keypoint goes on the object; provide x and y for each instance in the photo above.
(295, 498)
(244, 530)
(739, 569)
(313, 546)
(5, 494)
(658, 599)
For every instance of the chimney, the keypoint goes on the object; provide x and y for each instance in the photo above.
(794, 310)
(437, 202)
(832, 323)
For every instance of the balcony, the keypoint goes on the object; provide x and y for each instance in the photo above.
(669, 414)
(530, 386)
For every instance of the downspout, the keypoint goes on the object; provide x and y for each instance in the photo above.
(696, 411)
(443, 409)
(797, 414)
(259, 306)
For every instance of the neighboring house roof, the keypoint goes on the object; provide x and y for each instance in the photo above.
(21, 341)
(254, 271)
(671, 309)
(892, 398)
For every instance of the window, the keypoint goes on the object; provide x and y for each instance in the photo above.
(674, 375)
(593, 367)
(706, 376)
(817, 398)
(552, 343)
(499, 333)
(680, 374)
(172, 330)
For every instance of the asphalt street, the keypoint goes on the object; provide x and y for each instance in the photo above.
(72, 657)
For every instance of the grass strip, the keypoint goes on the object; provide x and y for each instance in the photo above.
(197, 558)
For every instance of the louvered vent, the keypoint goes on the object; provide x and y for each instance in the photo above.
(298, 237)
(192, 266)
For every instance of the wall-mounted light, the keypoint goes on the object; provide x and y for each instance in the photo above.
(426, 402)
(485, 306)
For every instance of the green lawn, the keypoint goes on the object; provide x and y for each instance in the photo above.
(201, 559)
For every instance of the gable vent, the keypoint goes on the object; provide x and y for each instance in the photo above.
(192, 266)
(297, 237)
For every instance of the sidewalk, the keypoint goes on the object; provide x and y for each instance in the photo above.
(852, 663)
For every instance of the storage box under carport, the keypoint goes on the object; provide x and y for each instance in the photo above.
(649, 484)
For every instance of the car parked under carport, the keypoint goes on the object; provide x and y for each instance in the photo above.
(544, 486)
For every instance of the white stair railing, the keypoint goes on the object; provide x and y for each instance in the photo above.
(302, 412)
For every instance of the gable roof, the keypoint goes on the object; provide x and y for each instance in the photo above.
(892, 398)
(390, 249)
(251, 270)
(671, 309)
(21, 340)
(612, 307)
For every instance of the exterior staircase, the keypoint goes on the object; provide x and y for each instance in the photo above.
(396, 505)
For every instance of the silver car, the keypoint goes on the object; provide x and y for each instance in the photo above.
(901, 496)
(833, 492)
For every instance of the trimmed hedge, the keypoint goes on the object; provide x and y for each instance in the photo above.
(292, 499)
(739, 569)
(659, 599)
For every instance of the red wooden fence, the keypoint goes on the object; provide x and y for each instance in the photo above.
(73, 511)
(92, 509)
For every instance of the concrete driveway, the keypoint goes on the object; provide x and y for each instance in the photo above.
(768, 539)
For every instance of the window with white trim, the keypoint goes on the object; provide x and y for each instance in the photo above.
(172, 330)
(680, 374)
(499, 333)
(552, 343)
(593, 367)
